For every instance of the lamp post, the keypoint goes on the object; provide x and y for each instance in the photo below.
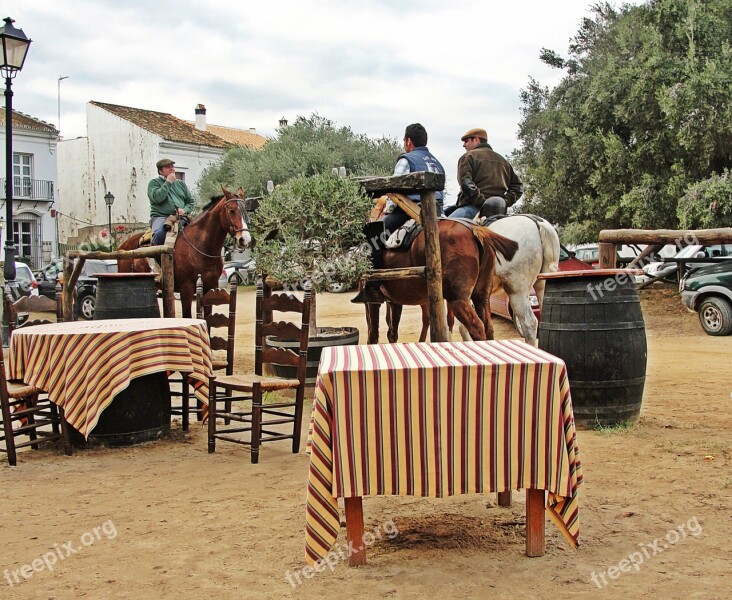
(109, 199)
(60, 79)
(14, 49)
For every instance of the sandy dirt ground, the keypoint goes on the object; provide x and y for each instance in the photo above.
(168, 520)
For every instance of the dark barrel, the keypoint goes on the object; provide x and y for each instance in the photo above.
(593, 321)
(327, 336)
(126, 296)
(141, 412)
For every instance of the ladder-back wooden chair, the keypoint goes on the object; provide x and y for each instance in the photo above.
(221, 332)
(28, 418)
(277, 420)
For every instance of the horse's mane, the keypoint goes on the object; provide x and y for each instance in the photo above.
(214, 200)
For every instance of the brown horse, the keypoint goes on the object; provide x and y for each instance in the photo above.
(468, 256)
(197, 249)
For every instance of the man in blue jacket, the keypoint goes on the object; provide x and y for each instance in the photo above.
(416, 157)
(168, 196)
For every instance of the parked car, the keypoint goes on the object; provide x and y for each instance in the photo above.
(242, 270)
(86, 286)
(25, 283)
(590, 253)
(708, 291)
(500, 305)
(47, 278)
(669, 270)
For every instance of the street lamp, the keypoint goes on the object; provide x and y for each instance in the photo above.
(60, 79)
(14, 49)
(109, 199)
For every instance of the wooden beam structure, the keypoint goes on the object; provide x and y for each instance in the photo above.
(425, 184)
(72, 269)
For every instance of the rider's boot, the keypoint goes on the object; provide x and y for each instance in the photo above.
(371, 292)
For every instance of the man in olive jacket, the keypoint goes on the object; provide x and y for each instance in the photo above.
(483, 174)
(168, 196)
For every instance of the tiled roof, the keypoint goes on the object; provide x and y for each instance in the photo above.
(23, 121)
(165, 125)
(238, 137)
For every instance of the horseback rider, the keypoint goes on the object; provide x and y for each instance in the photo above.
(416, 157)
(168, 196)
(488, 183)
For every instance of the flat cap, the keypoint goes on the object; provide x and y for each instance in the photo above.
(475, 132)
(164, 162)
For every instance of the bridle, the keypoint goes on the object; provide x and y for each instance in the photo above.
(231, 230)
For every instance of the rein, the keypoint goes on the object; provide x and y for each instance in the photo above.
(232, 231)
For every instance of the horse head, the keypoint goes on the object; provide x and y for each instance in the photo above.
(233, 217)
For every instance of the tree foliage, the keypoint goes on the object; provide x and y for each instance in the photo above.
(309, 146)
(642, 118)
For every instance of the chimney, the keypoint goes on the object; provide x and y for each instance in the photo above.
(201, 117)
(252, 130)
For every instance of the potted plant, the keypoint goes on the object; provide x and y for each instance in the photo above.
(303, 232)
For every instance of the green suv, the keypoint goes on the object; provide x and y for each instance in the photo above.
(708, 291)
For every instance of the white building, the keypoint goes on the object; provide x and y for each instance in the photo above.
(119, 155)
(34, 176)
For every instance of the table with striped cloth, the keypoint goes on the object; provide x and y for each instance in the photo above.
(436, 420)
(82, 366)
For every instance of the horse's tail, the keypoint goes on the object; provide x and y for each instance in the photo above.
(549, 247)
(496, 242)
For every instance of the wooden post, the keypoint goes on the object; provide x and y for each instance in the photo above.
(504, 498)
(535, 524)
(354, 530)
(167, 284)
(608, 256)
(433, 263)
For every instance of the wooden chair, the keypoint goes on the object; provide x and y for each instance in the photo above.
(25, 414)
(272, 421)
(50, 311)
(221, 331)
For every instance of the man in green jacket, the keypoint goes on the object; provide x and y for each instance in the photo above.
(168, 196)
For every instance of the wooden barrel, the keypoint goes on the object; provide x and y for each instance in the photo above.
(326, 336)
(141, 412)
(126, 296)
(593, 321)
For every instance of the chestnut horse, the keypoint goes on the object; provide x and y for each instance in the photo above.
(468, 255)
(197, 249)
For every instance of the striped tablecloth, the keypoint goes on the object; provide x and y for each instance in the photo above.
(83, 365)
(436, 420)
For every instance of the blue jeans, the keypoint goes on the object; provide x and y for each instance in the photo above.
(158, 231)
(464, 212)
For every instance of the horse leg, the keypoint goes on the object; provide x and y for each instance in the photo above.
(465, 313)
(394, 316)
(425, 322)
(480, 301)
(539, 289)
(525, 316)
(372, 322)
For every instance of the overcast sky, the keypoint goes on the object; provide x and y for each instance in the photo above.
(373, 65)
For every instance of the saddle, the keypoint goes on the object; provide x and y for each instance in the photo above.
(403, 237)
(173, 224)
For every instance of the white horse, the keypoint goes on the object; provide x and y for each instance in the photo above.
(538, 252)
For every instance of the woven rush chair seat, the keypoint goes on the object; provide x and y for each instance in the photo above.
(237, 409)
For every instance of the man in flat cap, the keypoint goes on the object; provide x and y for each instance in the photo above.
(484, 177)
(168, 196)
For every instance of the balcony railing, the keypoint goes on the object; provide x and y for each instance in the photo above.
(28, 189)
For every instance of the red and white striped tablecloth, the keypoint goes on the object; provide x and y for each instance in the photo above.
(82, 366)
(437, 420)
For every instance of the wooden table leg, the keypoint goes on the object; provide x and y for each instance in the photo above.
(535, 506)
(354, 530)
(504, 498)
